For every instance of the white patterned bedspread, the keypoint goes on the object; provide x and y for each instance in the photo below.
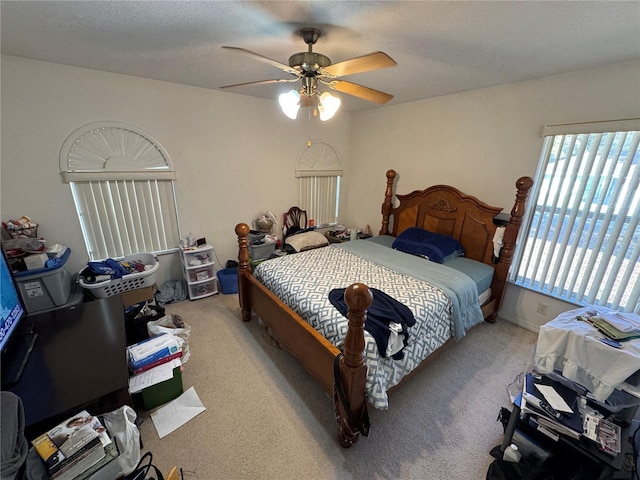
(303, 282)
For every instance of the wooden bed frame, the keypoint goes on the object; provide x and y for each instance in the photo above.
(442, 209)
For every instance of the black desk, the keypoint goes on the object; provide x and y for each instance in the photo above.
(79, 361)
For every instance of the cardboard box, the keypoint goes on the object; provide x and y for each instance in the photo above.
(133, 297)
(36, 261)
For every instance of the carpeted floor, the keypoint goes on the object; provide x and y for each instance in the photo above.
(266, 418)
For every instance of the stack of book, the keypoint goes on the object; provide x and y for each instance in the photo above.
(156, 368)
(564, 419)
(152, 352)
(76, 448)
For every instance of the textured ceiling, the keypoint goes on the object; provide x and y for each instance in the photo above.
(440, 47)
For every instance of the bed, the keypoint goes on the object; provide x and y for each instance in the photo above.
(298, 297)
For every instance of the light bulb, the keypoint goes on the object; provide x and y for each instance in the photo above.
(290, 103)
(328, 106)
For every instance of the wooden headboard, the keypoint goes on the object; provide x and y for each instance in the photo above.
(446, 210)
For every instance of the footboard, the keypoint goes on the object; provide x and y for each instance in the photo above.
(315, 352)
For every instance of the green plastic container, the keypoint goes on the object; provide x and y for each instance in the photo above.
(161, 393)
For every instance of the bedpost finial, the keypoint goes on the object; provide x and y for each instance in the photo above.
(358, 296)
(524, 183)
(391, 174)
(242, 230)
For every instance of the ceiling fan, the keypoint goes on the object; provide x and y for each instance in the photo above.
(312, 68)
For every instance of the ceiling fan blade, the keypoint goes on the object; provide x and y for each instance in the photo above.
(356, 90)
(366, 63)
(262, 82)
(262, 58)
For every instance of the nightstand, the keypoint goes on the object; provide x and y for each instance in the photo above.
(333, 237)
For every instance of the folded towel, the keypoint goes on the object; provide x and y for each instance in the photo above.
(625, 322)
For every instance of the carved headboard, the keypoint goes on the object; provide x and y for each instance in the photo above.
(446, 210)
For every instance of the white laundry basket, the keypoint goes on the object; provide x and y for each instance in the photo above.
(133, 281)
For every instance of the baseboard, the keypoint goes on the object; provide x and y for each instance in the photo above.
(522, 323)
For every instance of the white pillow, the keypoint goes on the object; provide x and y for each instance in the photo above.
(306, 241)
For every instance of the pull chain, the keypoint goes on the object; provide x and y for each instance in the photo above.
(309, 129)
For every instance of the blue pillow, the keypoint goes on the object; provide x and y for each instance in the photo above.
(430, 245)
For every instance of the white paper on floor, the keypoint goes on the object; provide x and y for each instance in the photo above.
(177, 412)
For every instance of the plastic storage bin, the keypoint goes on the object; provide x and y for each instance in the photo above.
(228, 278)
(44, 289)
(201, 274)
(195, 258)
(198, 268)
(255, 236)
(259, 252)
(129, 282)
(202, 289)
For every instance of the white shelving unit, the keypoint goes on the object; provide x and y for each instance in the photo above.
(199, 272)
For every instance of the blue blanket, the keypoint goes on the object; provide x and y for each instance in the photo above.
(460, 288)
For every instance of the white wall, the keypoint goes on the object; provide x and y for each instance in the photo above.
(234, 155)
(481, 142)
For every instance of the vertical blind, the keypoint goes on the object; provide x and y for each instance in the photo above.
(122, 217)
(319, 197)
(583, 241)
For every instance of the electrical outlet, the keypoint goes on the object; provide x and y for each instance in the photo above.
(542, 308)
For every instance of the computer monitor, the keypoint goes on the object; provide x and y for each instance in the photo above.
(17, 337)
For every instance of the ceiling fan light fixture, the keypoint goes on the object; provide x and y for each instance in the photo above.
(312, 68)
(290, 103)
(328, 105)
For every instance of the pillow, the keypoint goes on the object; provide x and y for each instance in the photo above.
(433, 246)
(306, 241)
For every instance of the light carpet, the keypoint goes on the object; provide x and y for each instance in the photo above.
(267, 418)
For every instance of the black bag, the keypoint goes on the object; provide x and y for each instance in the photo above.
(504, 470)
(136, 319)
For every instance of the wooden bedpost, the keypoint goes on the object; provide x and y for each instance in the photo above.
(353, 371)
(387, 205)
(523, 185)
(244, 269)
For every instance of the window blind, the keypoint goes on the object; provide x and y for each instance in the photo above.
(583, 242)
(319, 197)
(120, 218)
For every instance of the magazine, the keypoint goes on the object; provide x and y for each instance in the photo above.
(64, 444)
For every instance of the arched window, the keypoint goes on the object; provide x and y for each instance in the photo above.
(122, 182)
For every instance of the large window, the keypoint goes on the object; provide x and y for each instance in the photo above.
(318, 172)
(583, 241)
(122, 182)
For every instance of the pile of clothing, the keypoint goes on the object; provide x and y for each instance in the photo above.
(110, 269)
